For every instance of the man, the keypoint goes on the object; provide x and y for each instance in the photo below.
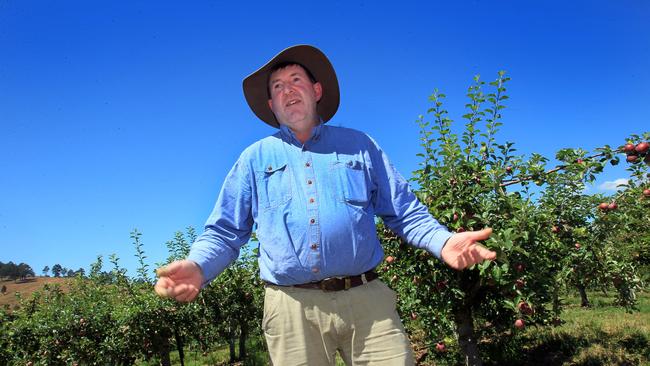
(313, 191)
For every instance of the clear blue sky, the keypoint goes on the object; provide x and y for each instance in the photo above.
(117, 115)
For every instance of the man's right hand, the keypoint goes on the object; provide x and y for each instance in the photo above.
(180, 280)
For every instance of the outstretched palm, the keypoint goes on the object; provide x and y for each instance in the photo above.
(463, 250)
(180, 280)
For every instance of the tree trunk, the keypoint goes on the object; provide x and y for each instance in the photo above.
(163, 352)
(556, 300)
(242, 341)
(179, 346)
(231, 344)
(466, 339)
(584, 301)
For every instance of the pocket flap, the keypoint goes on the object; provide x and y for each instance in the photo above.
(272, 168)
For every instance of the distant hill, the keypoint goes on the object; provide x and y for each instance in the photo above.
(25, 288)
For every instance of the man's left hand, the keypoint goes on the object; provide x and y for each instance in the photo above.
(462, 250)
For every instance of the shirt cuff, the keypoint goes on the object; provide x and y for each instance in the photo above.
(438, 241)
(209, 268)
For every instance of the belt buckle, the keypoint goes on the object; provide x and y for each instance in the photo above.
(328, 284)
(333, 284)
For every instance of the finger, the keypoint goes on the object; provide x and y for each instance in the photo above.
(461, 261)
(189, 295)
(483, 253)
(480, 234)
(168, 270)
(183, 291)
(180, 290)
(162, 287)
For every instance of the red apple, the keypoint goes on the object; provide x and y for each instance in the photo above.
(628, 148)
(509, 169)
(460, 229)
(579, 161)
(519, 283)
(455, 216)
(414, 315)
(642, 147)
(520, 267)
(577, 245)
(390, 259)
(440, 347)
(612, 206)
(603, 206)
(519, 324)
(646, 192)
(632, 158)
(525, 308)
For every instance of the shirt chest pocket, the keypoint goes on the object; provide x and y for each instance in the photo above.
(273, 185)
(351, 181)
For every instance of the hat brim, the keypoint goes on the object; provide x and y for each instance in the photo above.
(256, 90)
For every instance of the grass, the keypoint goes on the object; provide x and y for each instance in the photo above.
(219, 356)
(601, 335)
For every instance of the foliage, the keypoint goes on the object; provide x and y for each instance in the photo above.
(14, 271)
(109, 318)
(543, 225)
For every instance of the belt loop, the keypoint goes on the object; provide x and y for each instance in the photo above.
(363, 278)
(348, 283)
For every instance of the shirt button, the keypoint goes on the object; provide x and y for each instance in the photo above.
(307, 164)
(309, 181)
(269, 168)
(312, 221)
(311, 200)
(315, 270)
(314, 246)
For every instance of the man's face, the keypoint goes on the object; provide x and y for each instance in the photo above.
(294, 98)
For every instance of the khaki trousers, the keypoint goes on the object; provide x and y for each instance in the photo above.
(308, 327)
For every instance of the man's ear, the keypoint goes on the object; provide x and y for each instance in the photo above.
(318, 90)
(270, 104)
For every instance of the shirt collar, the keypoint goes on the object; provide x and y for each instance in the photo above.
(315, 133)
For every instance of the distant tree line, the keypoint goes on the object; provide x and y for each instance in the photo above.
(60, 271)
(14, 271)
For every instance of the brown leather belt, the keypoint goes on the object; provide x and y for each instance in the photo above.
(340, 283)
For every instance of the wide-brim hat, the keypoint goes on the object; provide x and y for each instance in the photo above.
(256, 84)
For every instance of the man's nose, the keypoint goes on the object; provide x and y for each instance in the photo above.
(288, 89)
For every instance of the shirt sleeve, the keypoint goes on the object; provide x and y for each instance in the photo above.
(400, 209)
(228, 227)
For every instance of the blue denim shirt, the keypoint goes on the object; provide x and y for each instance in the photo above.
(314, 205)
